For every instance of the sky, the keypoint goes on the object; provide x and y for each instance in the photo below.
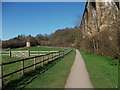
(32, 18)
(0, 20)
(45, 0)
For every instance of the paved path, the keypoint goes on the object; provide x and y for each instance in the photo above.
(78, 77)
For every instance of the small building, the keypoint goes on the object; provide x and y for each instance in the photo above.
(28, 44)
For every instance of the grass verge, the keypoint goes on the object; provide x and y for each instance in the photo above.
(103, 70)
(56, 76)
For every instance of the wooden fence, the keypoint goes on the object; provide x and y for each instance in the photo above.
(5, 53)
(31, 53)
(50, 56)
(39, 52)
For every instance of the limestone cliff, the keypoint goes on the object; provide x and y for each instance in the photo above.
(100, 28)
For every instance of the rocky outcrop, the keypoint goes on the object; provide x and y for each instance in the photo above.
(100, 28)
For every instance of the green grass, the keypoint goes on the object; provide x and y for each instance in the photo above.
(16, 66)
(9, 68)
(103, 70)
(41, 48)
(6, 59)
(13, 67)
(56, 76)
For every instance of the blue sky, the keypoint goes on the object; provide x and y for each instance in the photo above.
(32, 18)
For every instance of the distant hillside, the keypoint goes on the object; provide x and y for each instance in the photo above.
(68, 37)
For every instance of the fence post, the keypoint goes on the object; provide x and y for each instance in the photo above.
(22, 66)
(52, 56)
(9, 53)
(48, 56)
(28, 52)
(59, 54)
(49, 52)
(43, 60)
(56, 55)
(66, 52)
(34, 63)
(38, 52)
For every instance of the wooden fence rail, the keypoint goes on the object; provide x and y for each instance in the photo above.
(31, 53)
(46, 57)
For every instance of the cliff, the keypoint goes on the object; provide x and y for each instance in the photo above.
(100, 28)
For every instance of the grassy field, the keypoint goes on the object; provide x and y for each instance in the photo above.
(103, 70)
(36, 48)
(41, 48)
(16, 66)
(9, 59)
(56, 76)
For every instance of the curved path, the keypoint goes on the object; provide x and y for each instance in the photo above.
(78, 77)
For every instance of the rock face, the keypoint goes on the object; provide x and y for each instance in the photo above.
(100, 28)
